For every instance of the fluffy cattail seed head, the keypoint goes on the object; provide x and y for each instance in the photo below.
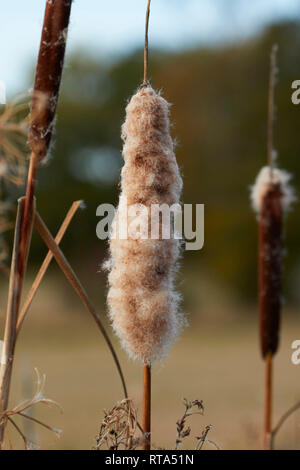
(48, 75)
(265, 177)
(271, 197)
(142, 302)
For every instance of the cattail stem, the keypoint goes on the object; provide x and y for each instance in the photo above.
(22, 239)
(271, 197)
(147, 407)
(268, 401)
(15, 283)
(147, 368)
(27, 218)
(146, 49)
(45, 95)
(271, 108)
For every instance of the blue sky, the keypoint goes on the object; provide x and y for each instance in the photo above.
(111, 27)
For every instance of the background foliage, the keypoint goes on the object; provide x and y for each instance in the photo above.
(219, 113)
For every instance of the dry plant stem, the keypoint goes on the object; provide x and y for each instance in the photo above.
(74, 281)
(268, 401)
(146, 49)
(46, 262)
(10, 326)
(15, 285)
(271, 107)
(26, 224)
(147, 407)
(19, 261)
(46, 88)
(270, 248)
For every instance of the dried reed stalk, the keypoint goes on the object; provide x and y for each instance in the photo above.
(146, 445)
(270, 276)
(142, 301)
(271, 197)
(77, 286)
(146, 49)
(11, 319)
(45, 95)
(45, 264)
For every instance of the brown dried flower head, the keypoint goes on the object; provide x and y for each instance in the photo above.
(271, 196)
(48, 75)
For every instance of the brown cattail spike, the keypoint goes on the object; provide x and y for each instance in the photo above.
(272, 196)
(270, 261)
(48, 75)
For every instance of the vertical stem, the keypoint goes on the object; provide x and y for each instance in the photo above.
(268, 401)
(47, 81)
(27, 220)
(11, 320)
(147, 407)
(146, 49)
(271, 108)
(22, 239)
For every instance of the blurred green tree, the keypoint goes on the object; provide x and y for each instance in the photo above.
(220, 119)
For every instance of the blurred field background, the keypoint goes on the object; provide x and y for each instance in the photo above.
(219, 95)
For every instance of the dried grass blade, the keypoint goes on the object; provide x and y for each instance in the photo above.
(36, 283)
(79, 289)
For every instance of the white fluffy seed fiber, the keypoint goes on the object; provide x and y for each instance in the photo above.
(143, 305)
(262, 185)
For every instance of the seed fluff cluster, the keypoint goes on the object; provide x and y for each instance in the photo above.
(262, 186)
(143, 305)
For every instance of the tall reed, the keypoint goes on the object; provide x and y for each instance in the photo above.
(45, 95)
(143, 304)
(271, 198)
